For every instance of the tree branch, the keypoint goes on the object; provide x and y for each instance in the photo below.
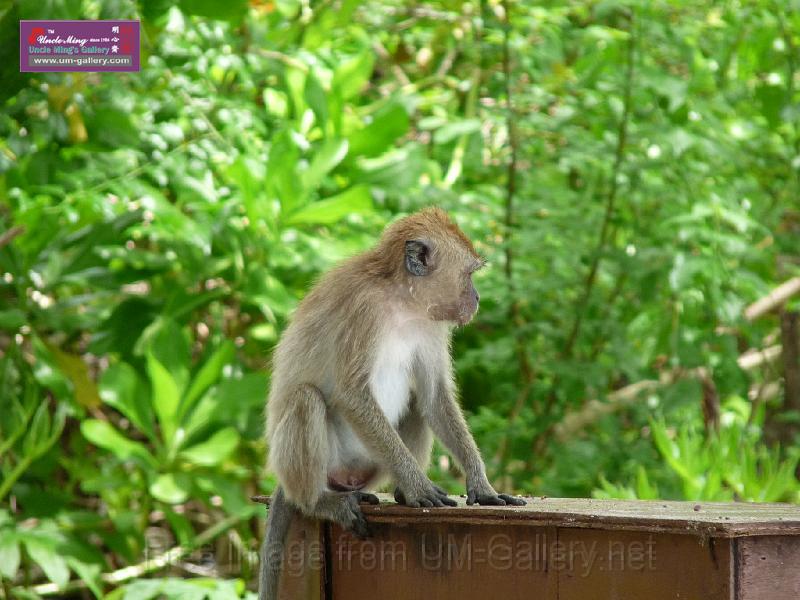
(514, 312)
(611, 197)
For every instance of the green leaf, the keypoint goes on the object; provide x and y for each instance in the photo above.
(317, 99)
(104, 435)
(77, 371)
(44, 553)
(167, 341)
(451, 131)
(229, 10)
(356, 200)
(296, 83)
(282, 178)
(38, 431)
(12, 319)
(267, 293)
(166, 398)
(89, 573)
(353, 74)
(181, 525)
(9, 554)
(234, 501)
(171, 488)
(388, 123)
(330, 154)
(207, 376)
(215, 449)
(122, 389)
(277, 102)
(248, 174)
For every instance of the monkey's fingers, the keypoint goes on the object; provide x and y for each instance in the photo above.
(443, 497)
(487, 500)
(512, 500)
(448, 501)
(358, 524)
(365, 497)
(360, 528)
(398, 496)
(439, 498)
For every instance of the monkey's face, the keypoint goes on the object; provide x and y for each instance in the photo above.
(440, 280)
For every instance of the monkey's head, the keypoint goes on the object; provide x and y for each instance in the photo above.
(433, 262)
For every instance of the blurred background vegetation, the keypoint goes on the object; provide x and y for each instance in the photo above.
(631, 169)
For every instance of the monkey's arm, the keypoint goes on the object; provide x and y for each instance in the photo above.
(373, 428)
(448, 423)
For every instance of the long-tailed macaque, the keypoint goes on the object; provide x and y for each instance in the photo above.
(362, 378)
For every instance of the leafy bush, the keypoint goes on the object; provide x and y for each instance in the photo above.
(629, 168)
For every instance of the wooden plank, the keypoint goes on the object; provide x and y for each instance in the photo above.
(303, 568)
(769, 568)
(555, 549)
(630, 565)
(422, 560)
(710, 519)
(445, 561)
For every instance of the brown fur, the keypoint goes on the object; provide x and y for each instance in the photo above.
(323, 416)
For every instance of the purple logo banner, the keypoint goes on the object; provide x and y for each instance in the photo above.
(53, 46)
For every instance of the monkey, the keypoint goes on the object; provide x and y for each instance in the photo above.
(362, 379)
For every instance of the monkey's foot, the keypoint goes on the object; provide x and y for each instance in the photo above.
(351, 517)
(367, 498)
(436, 496)
(493, 499)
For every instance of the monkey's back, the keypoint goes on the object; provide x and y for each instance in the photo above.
(328, 338)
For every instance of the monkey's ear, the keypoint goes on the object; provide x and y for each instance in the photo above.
(418, 257)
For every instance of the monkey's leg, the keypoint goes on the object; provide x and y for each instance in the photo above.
(447, 421)
(299, 447)
(371, 425)
(416, 434)
(418, 438)
(299, 453)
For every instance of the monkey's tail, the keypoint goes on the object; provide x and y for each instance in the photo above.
(278, 521)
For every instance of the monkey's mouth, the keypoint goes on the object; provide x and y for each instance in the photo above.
(465, 318)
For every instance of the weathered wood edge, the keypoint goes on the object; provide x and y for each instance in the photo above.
(704, 519)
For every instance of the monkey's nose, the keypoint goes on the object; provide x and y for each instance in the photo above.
(477, 297)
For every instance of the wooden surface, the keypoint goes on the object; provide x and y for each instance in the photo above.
(421, 561)
(715, 519)
(303, 569)
(769, 568)
(552, 549)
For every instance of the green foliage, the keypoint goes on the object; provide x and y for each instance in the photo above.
(630, 169)
(192, 589)
(730, 464)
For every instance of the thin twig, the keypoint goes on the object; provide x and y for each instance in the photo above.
(136, 170)
(611, 197)
(8, 236)
(514, 311)
(539, 442)
(470, 108)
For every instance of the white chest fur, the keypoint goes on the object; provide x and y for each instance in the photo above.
(392, 377)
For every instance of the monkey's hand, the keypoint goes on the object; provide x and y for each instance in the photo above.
(350, 515)
(483, 493)
(429, 495)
